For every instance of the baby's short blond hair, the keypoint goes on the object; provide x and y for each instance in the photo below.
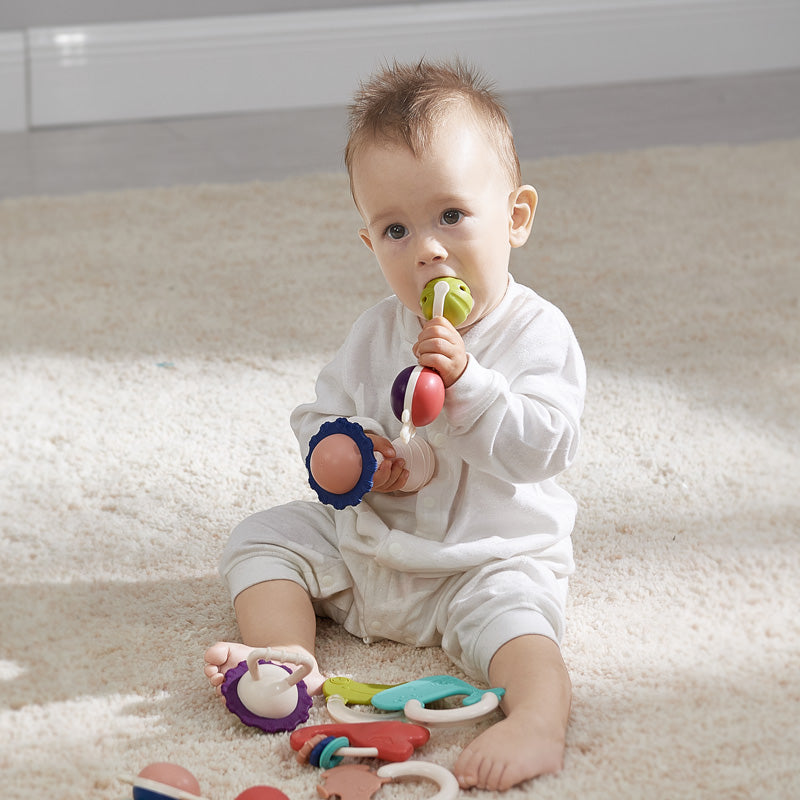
(403, 103)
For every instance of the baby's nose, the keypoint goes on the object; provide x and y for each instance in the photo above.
(430, 249)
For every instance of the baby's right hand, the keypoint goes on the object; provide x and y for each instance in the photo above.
(391, 475)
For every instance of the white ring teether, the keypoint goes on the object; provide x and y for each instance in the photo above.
(433, 718)
(342, 713)
(448, 785)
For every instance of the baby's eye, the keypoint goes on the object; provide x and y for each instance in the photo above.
(451, 216)
(396, 231)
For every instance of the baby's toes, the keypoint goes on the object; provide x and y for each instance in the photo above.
(211, 670)
(216, 656)
(216, 679)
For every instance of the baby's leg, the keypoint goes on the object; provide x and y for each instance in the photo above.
(271, 614)
(530, 740)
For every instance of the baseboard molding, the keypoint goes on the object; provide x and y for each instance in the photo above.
(220, 65)
(13, 99)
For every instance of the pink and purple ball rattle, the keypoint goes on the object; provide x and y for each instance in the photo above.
(166, 781)
(341, 462)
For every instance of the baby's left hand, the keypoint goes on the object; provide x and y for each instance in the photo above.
(441, 347)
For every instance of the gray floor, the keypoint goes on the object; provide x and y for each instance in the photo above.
(731, 109)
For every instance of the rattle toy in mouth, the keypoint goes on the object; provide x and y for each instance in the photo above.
(417, 391)
(341, 462)
(447, 297)
(267, 695)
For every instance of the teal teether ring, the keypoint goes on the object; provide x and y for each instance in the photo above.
(411, 698)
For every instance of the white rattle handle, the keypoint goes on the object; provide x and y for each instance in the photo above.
(420, 462)
(305, 664)
(419, 458)
(440, 291)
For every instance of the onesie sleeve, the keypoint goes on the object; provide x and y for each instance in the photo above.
(339, 391)
(515, 412)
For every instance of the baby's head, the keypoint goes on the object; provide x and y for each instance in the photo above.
(405, 103)
(435, 175)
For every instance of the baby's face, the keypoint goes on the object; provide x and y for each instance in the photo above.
(447, 213)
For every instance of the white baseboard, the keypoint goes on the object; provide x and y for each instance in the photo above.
(218, 65)
(13, 99)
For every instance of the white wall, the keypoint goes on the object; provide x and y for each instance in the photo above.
(21, 14)
(85, 73)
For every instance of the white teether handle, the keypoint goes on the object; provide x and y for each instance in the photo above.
(432, 718)
(305, 664)
(340, 712)
(419, 458)
(440, 291)
(357, 752)
(448, 785)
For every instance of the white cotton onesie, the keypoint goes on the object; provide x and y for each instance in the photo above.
(481, 554)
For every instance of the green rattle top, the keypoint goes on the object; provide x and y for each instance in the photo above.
(446, 297)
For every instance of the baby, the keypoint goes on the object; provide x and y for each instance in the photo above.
(476, 561)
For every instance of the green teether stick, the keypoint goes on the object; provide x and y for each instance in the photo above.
(352, 691)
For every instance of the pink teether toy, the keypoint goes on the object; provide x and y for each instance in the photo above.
(341, 463)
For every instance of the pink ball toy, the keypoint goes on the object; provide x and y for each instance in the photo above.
(336, 463)
(164, 780)
(262, 793)
(422, 391)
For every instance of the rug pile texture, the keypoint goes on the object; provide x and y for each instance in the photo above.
(152, 346)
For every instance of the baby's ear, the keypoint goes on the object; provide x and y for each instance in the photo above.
(523, 207)
(364, 236)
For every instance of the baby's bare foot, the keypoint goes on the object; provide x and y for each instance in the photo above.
(222, 656)
(506, 754)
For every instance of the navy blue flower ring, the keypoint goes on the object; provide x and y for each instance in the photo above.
(368, 463)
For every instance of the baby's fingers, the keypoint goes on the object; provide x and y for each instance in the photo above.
(390, 476)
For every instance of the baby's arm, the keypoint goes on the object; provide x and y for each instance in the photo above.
(338, 396)
(514, 412)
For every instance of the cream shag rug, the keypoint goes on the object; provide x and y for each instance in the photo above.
(153, 345)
